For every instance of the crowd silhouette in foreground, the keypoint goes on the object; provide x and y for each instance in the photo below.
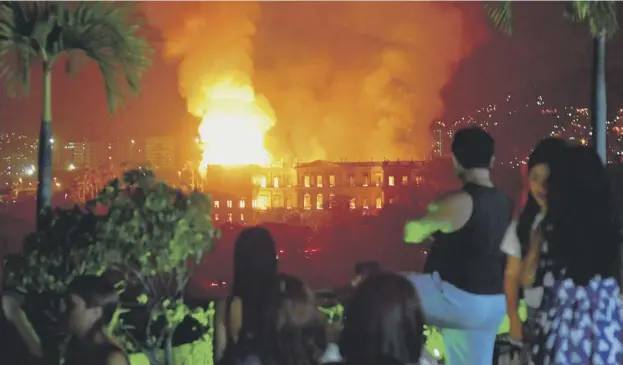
(562, 254)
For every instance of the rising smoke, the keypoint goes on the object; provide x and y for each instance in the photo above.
(345, 80)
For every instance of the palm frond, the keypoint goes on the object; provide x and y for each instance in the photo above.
(599, 15)
(113, 35)
(500, 14)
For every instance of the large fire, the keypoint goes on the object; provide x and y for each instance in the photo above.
(234, 122)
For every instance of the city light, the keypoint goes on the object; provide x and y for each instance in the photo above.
(71, 167)
(30, 170)
(51, 140)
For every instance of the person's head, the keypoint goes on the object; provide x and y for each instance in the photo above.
(255, 260)
(293, 330)
(12, 267)
(473, 148)
(583, 226)
(544, 154)
(91, 304)
(383, 323)
(365, 269)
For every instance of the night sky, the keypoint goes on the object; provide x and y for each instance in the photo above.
(545, 49)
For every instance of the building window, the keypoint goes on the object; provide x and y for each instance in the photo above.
(418, 180)
(263, 181)
(390, 180)
(379, 203)
(306, 181)
(366, 179)
(351, 180)
(288, 203)
(379, 179)
(307, 202)
(319, 202)
(243, 204)
(391, 200)
(331, 180)
(353, 203)
(217, 216)
(365, 204)
(405, 180)
(275, 181)
(262, 202)
(229, 217)
(230, 204)
(319, 181)
(217, 204)
(331, 200)
(242, 217)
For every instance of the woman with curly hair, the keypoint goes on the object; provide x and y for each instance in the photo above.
(581, 316)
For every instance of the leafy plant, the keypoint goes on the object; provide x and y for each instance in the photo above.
(154, 235)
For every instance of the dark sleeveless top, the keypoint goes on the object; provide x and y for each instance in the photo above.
(471, 258)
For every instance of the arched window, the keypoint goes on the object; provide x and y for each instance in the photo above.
(307, 201)
(319, 202)
(331, 200)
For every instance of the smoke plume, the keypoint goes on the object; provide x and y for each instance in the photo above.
(344, 79)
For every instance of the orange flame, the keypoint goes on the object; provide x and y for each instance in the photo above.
(234, 122)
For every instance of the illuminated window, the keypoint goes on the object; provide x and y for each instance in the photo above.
(230, 204)
(405, 180)
(263, 181)
(390, 180)
(366, 180)
(307, 202)
(418, 180)
(365, 204)
(217, 217)
(331, 200)
(351, 180)
(319, 181)
(216, 204)
(262, 202)
(379, 203)
(331, 180)
(242, 217)
(254, 203)
(229, 217)
(379, 179)
(307, 181)
(319, 202)
(275, 181)
(353, 203)
(391, 200)
(288, 203)
(243, 204)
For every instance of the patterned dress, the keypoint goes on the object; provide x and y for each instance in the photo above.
(577, 325)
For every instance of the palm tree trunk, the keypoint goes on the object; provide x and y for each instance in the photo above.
(44, 188)
(599, 112)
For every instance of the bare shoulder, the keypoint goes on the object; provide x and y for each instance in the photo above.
(10, 304)
(452, 200)
(117, 358)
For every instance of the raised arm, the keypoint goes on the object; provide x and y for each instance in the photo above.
(16, 315)
(445, 215)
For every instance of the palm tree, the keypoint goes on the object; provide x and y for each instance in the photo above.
(109, 33)
(602, 21)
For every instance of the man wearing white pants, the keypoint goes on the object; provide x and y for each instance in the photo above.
(462, 290)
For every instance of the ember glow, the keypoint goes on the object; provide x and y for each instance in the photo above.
(234, 122)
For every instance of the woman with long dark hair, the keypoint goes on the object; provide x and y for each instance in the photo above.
(579, 242)
(384, 323)
(516, 240)
(238, 318)
(91, 304)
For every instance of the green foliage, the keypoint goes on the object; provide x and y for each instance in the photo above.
(61, 250)
(599, 15)
(154, 235)
(501, 15)
(113, 34)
